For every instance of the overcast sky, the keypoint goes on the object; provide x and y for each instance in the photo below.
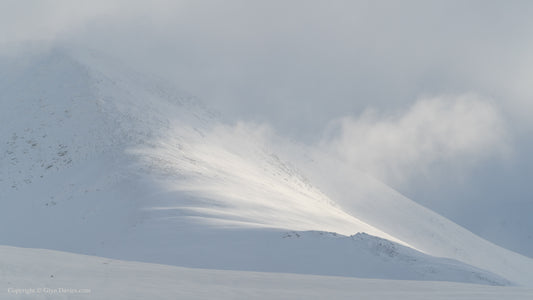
(433, 97)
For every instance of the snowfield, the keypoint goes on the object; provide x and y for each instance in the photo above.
(45, 274)
(99, 160)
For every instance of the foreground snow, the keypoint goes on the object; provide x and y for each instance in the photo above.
(44, 274)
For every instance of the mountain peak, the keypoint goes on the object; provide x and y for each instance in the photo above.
(62, 106)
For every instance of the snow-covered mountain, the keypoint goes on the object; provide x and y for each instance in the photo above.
(97, 159)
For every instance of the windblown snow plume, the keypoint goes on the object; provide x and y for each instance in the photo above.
(458, 130)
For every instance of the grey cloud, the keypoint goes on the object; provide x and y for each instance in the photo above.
(283, 61)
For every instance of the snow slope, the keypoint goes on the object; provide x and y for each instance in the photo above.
(46, 274)
(100, 160)
(375, 203)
